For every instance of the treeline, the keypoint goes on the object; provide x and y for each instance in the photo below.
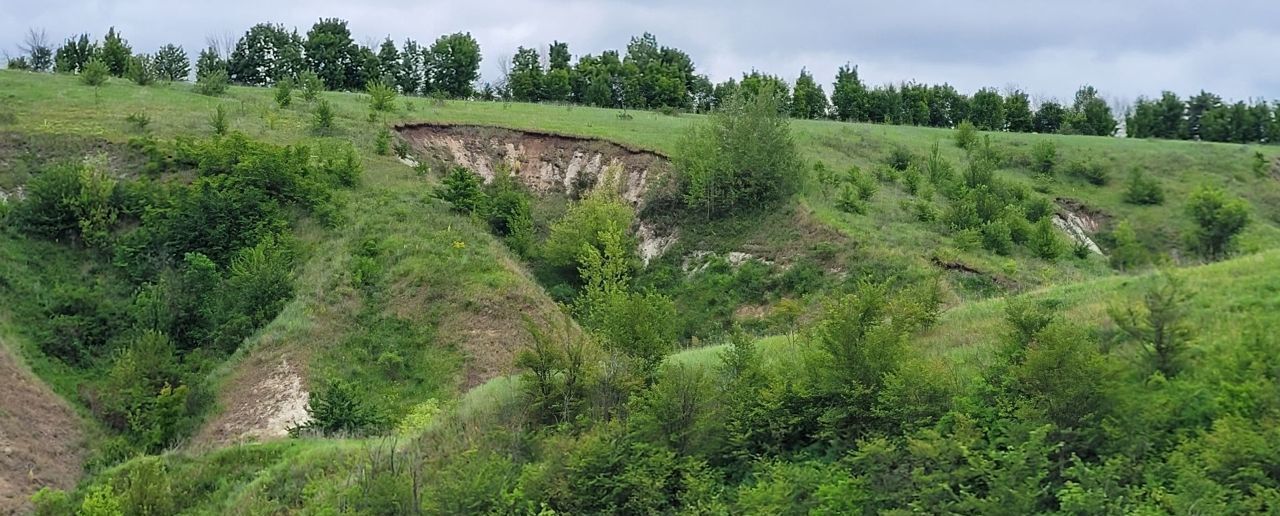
(645, 76)
(268, 54)
(1204, 116)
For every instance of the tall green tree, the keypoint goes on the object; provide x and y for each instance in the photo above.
(1090, 114)
(1017, 112)
(333, 55)
(210, 62)
(74, 54)
(115, 53)
(265, 54)
(808, 101)
(525, 79)
(986, 110)
(454, 64)
(388, 62)
(1050, 117)
(849, 95)
(558, 56)
(412, 69)
(171, 63)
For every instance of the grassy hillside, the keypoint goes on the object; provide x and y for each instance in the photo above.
(416, 307)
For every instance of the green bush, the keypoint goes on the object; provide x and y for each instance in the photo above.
(382, 97)
(284, 93)
(322, 117)
(141, 70)
(463, 189)
(966, 135)
(95, 73)
(1143, 190)
(338, 409)
(382, 142)
(1090, 171)
(139, 121)
(997, 238)
(213, 83)
(582, 225)
(742, 158)
(311, 85)
(1219, 218)
(1044, 240)
(1044, 157)
(899, 158)
(218, 120)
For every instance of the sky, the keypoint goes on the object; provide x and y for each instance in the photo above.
(1125, 48)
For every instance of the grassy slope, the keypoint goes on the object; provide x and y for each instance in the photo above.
(429, 281)
(436, 269)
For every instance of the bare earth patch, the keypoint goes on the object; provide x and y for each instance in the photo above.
(265, 403)
(41, 440)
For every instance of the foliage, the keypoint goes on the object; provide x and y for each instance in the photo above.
(1089, 170)
(966, 135)
(742, 158)
(95, 73)
(284, 93)
(1143, 189)
(1044, 240)
(115, 53)
(584, 224)
(171, 64)
(1157, 324)
(462, 188)
(322, 117)
(1044, 157)
(212, 83)
(382, 97)
(339, 409)
(141, 70)
(1218, 220)
(218, 120)
(311, 85)
(452, 63)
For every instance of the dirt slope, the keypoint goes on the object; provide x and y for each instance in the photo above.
(41, 439)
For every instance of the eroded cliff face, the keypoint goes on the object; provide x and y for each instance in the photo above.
(554, 164)
(545, 163)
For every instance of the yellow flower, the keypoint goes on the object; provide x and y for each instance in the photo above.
(458, 244)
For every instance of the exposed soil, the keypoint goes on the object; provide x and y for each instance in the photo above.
(41, 438)
(1080, 222)
(262, 401)
(544, 162)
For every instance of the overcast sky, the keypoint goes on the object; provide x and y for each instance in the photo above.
(1125, 48)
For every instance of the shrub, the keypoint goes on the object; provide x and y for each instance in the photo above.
(141, 70)
(382, 97)
(95, 73)
(966, 135)
(462, 188)
(284, 93)
(338, 409)
(1143, 190)
(509, 213)
(382, 142)
(402, 148)
(1128, 252)
(218, 120)
(1259, 164)
(1218, 219)
(322, 117)
(899, 158)
(1090, 171)
(849, 201)
(1044, 157)
(139, 121)
(1044, 240)
(582, 226)
(213, 83)
(997, 238)
(311, 85)
(743, 157)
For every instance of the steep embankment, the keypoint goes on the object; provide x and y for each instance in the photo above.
(41, 437)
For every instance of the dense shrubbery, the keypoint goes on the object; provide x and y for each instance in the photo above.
(742, 159)
(208, 262)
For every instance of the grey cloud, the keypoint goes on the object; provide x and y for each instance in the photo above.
(1125, 48)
